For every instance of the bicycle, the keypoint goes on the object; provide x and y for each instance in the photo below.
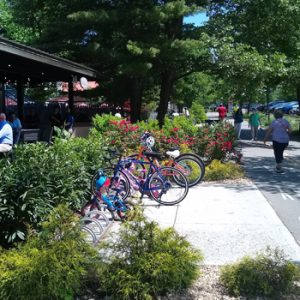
(162, 184)
(106, 198)
(190, 164)
(119, 183)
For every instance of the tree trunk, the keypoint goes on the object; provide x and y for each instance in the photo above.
(136, 99)
(165, 94)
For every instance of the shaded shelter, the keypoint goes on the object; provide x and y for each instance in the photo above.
(22, 65)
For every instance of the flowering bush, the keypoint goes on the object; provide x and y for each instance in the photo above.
(117, 132)
(213, 141)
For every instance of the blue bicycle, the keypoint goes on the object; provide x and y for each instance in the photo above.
(107, 198)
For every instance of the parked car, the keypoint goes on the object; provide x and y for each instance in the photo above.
(295, 111)
(277, 106)
(269, 106)
(290, 105)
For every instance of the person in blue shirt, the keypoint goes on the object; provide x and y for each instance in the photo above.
(6, 135)
(69, 121)
(16, 127)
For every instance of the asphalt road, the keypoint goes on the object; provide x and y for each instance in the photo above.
(281, 190)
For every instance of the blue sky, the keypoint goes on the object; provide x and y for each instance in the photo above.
(197, 19)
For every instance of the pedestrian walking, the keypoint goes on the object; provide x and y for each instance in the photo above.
(254, 123)
(238, 120)
(222, 112)
(280, 129)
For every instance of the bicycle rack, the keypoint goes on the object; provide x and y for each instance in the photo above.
(95, 224)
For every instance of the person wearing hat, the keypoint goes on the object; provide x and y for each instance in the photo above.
(6, 135)
(280, 129)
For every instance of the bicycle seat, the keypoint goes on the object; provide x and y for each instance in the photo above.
(153, 154)
(174, 153)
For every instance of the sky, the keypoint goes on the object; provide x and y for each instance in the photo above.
(197, 19)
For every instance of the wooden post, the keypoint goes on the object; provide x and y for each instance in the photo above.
(71, 95)
(20, 98)
(2, 98)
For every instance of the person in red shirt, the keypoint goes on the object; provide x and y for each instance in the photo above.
(222, 112)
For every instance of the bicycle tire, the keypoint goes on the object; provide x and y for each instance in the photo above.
(191, 167)
(166, 179)
(194, 155)
(119, 184)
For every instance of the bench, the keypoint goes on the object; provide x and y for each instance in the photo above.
(30, 135)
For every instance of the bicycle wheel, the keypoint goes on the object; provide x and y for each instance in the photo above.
(164, 186)
(191, 168)
(195, 156)
(119, 183)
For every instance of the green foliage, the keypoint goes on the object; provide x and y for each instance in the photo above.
(40, 178)
(198, 114)
(217, 170)
(268, 274)
(146, 261)
(51, 265)
(197, 87)
(182, 122)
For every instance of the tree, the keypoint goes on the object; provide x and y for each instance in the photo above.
(133, 39)
(197, 87)
(9, 28)
(272, 27)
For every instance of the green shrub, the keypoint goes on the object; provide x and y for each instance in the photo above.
(146, 262)
(267, 274)
(198, 114)
(182, 122)
(40, 178)
(217, 170)
(52, 265)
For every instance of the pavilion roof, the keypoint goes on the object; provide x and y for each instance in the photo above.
(32, 65)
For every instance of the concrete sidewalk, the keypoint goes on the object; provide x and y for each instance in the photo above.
(226, 221)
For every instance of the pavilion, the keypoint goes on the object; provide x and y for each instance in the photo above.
(23, 65)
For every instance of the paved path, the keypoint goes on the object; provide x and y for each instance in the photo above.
(227, 221)
(281, 190)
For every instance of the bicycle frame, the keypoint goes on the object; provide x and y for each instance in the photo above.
(143, 187)
(169, 163)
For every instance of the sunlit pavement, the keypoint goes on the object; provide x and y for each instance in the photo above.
(226, 221)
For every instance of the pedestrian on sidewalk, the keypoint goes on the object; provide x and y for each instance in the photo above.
(280, 129)
(254, 123)
(222, 112)
(238, 120)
